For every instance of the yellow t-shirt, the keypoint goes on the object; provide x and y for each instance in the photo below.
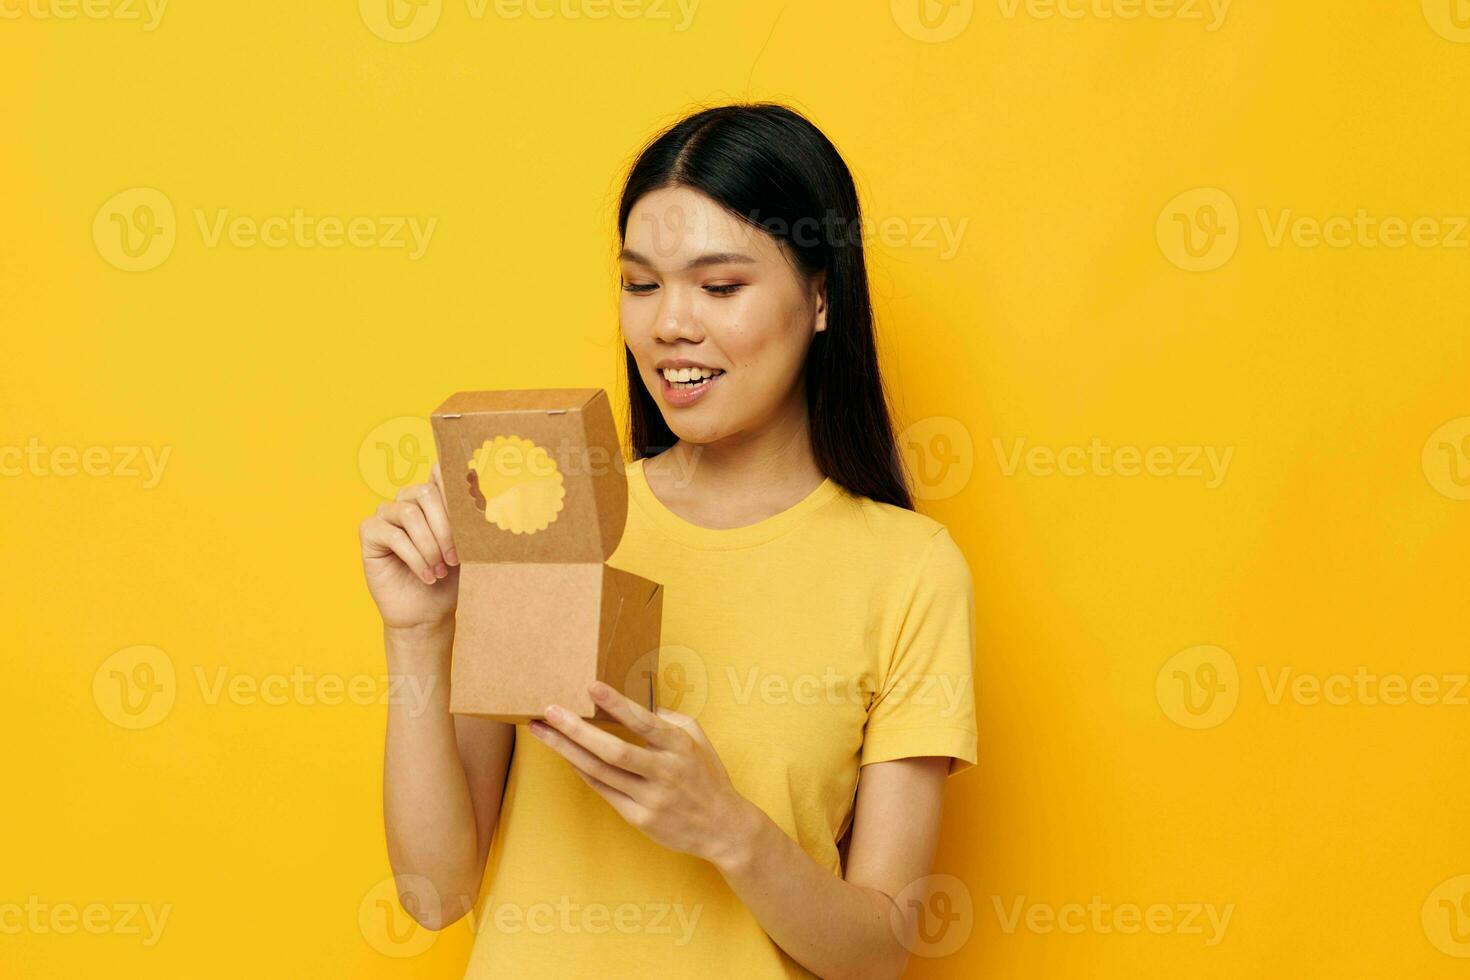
(834, 634)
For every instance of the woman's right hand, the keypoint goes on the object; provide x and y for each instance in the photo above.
(409, 559)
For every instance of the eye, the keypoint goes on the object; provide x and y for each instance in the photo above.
(639, 288)
(724, 289)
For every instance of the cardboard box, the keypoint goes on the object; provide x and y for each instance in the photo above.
(537, 495)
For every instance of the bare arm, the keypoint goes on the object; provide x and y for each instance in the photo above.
(443, 779)
(443, 775)
(852, 926)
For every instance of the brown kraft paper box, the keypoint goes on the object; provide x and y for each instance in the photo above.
(537, 496)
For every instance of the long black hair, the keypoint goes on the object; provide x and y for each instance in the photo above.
(769, 166)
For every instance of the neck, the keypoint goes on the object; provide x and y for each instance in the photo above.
(764, 468)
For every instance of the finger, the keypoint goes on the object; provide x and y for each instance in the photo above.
(431, 502)
(438, 475)
(388, 538)
(636, 718)
(616, 752)
(623, 782)
(683, 723)
(410, 516)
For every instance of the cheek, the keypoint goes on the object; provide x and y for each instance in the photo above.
(748, 331)
(636, 327)
(766, 333)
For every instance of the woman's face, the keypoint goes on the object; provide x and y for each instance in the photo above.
(717, 317)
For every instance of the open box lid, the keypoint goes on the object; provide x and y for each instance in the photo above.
(532, 475)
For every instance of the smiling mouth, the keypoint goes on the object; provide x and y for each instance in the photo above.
(687, 379)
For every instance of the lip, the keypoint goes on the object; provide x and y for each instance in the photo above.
(684, 397)
(681, 362)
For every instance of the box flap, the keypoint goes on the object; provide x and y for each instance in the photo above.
(631, 621)
(532, 475)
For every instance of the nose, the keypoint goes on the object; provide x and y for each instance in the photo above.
(675, 319)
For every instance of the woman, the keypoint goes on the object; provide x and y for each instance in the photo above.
(815, 627)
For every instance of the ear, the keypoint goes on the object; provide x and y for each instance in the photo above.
(821, 286)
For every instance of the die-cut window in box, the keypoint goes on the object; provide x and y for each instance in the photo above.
(516, 484)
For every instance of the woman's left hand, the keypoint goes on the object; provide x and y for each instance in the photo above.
(675, 789)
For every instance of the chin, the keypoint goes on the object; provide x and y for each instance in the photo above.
(698, 435)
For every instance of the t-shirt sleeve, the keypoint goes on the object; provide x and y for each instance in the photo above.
(925, 702)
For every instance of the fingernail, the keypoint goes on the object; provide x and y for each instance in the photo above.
(441, 570)
(553, 713)
(452, 556)
(428, 577)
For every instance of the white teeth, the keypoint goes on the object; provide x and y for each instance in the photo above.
(687, 375)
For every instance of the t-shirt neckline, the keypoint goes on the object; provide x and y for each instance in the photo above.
(722, 538)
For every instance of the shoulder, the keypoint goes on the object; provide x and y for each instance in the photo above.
(906, 538)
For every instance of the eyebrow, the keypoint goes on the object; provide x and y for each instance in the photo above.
(710, 258)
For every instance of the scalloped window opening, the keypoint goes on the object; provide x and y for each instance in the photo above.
(516, 484)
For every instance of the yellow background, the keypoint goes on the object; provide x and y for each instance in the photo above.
(1335, 540)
